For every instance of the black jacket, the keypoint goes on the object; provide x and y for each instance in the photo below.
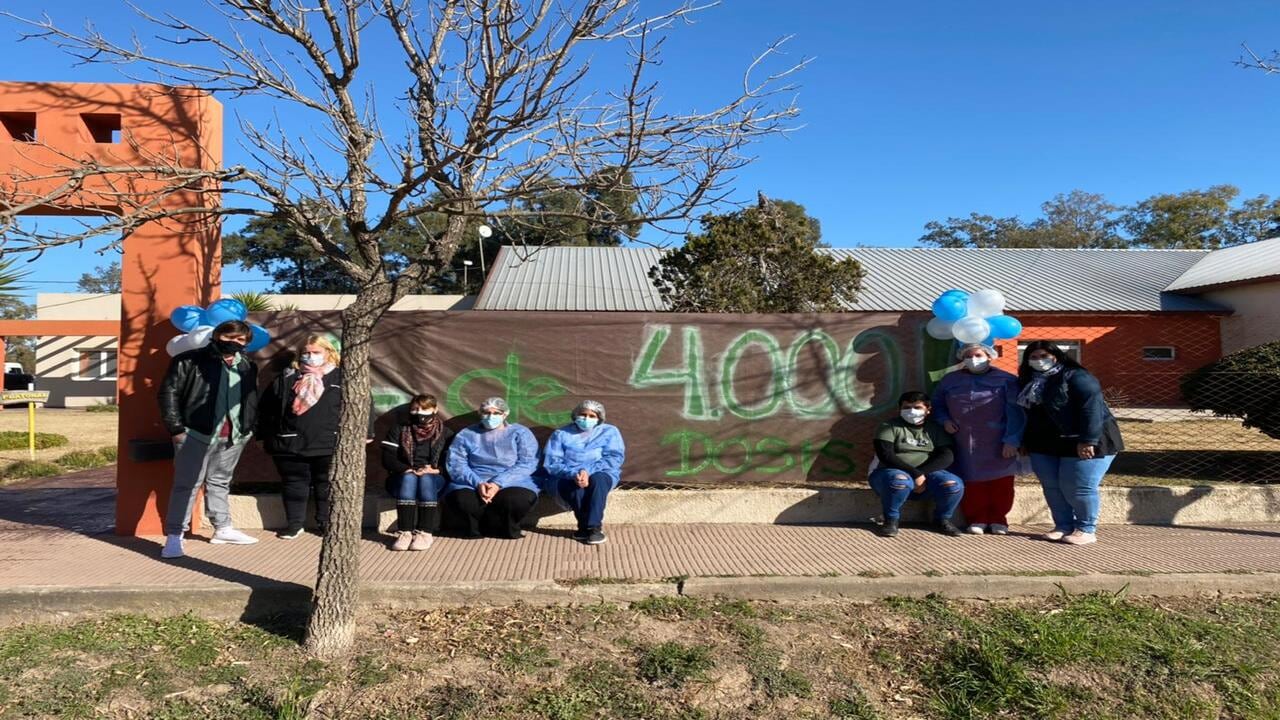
(398, 459)
(1072, 412)
(311, 434)
(188, 393)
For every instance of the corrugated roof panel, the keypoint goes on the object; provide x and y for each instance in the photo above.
(898, 279)
(1232, 265)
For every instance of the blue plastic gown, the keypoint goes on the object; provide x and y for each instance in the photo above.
(598, 450)
(506, 456)
(986, 409)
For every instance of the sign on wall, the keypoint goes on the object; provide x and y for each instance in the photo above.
(700, 399)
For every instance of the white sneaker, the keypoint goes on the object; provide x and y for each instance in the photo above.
(172, 547)
(231, 536)
(998, 529)
(977, 529)
(1080, 538)
(1053, 535)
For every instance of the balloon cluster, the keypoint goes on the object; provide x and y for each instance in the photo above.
(972, 318)
(197, 324)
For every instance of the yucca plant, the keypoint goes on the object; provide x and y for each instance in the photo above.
(255, 301)
(11, 279)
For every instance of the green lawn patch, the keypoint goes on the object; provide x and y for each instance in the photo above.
(18, 440)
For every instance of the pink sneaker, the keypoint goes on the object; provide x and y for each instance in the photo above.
(421, 540)
(1080, 538)
(1053, 535)
(403, 541)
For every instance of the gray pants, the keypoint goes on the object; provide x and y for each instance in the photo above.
(196, 463)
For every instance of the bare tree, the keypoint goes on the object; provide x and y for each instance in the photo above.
(492, 101)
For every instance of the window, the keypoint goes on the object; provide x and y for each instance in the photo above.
(102, 127)
(19, 126)
(1159, 352)
(97, 365)
(1070, 347)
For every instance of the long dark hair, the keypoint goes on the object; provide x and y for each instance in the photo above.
(1025, 373)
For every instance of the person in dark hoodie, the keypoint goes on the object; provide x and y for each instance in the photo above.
(298, 424)
(208, 403)
(913, 453)
(413, 454)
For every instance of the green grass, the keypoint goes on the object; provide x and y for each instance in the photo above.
(81, 460)
(673, 664)
(30, 469)
(853, 705)
(103, 408)
(18, 440)
(764, 663)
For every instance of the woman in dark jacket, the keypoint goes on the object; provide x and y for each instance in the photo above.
(298, 425)
(413, 454)
(1071, 435)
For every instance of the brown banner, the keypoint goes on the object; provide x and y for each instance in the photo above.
(700, 399)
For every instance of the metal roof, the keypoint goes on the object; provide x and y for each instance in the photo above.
(898, 279)
(1228, 266)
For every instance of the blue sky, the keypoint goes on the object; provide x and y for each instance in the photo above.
(924, 110)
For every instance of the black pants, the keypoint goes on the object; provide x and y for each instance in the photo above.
(303, 476)
(467, 515)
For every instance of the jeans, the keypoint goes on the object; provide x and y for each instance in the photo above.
(1071, 489)
(895, 487)
(586, 503)
(424, 490)
(194, 464)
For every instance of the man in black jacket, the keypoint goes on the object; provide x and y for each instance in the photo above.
(209, 403)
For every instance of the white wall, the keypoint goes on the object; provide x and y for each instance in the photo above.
(1257, 314)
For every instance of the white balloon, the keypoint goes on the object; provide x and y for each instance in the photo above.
(175, 346)
(939, 329)
(201, 336)
(986, 303)
(970, 329)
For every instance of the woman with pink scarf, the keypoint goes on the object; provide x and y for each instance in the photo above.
(298, 425)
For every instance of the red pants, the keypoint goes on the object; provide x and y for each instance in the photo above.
(988, 503)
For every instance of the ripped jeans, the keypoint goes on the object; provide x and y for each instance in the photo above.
(895, 488)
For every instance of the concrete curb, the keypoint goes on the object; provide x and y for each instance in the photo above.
(42, 604)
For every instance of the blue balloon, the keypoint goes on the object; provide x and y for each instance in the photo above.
(950, 308)
(990, 341)
(1004, 327)
(187, 318)
(234, 307)
(259, 339)
(218, 314)
(955, 291)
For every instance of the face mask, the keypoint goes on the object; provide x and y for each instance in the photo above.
(492, 421)
(915, 416)
(1042, 364)
(976, 364)
(420, 417)
(228, 347)
(586, 423)
(313, 359)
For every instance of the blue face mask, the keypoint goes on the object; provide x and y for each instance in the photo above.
(492, 421)
(586, 423)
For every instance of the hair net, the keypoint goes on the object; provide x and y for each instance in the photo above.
(962, 347)
(592, 405)
(496, 403)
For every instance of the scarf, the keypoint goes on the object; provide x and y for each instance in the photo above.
(1033, 393)
(309, 386)
(413, 435)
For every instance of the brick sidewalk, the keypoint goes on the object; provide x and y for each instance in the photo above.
(56, 535)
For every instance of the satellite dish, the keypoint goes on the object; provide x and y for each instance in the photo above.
(485, 231)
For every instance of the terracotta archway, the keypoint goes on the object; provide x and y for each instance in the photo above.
(48, 129)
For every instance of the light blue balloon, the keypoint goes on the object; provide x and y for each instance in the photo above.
(234, 307)
(259, 339)
(1004, 327)
(950, 308)
(187, 317)
(218, 314)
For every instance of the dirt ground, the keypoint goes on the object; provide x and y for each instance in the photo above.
(84, 430)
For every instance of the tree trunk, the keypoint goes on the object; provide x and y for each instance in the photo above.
(331, 628)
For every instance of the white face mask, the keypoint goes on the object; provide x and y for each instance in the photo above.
(976, 364)
(313, 359)
(1043, 364)
(915, 416)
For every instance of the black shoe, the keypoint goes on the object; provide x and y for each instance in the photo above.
(289, 534)
(946, 527)
(595, 537)
(581, 535)
(889, 528)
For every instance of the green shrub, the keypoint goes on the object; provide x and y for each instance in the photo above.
(81, 460)
(254, 301)
(17, 440)
(1244, 384)
(103, 408)
(30, 469)
(108, 454)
